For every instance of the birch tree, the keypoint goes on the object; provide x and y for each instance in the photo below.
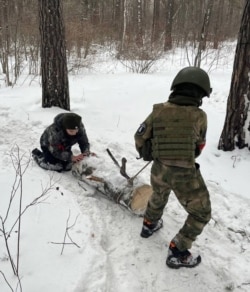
(169, 25)
(204, 32)
(139, 24)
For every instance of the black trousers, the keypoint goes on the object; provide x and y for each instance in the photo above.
(48, 157)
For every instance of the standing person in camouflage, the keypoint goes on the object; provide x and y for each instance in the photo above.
(173, 135)
(57, 140)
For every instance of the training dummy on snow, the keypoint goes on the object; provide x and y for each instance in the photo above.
(173, 135)
(127, 191)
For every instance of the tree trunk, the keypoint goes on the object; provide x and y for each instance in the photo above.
(218, 24)
(117, 13)
(236, 130)
(203, 34)
(156, 25)
(95, 12)
(124, 30)
(5, 41)
(55, 88)
(139, 34)
(85, 9)
(169, 25)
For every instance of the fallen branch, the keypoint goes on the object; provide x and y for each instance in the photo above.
(66, 234)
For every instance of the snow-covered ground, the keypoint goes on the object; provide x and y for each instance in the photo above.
(106, 253)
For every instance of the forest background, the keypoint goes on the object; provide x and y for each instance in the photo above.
(141, 30)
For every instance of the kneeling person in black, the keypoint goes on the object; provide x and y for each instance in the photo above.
(57, 140)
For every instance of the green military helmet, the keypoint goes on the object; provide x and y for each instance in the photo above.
(193, 75)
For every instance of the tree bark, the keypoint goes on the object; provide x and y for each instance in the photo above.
(156, 25)
(169, 25)
(218, 24)
(5, 41)
(203, 34)
(236, 126)
(55, 88)
(139, 34)
(124, 29)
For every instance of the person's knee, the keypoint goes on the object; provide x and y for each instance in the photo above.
(200, 209)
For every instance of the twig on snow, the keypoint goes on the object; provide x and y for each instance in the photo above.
(66, 234)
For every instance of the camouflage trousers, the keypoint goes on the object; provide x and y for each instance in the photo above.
(190, 190)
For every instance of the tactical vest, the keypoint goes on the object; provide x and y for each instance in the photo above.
(173, 132)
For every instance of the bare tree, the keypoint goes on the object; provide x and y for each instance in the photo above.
(139, 24)
(95, 11)
(156, 22)
(117, 13)
(85, 9)
(236, 129)
(129, 25)
(55, 88)
(5, 40)
(124, 30)
(169, 24)
(218, 24)
(203, 34)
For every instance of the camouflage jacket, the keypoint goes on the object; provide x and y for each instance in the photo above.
(59, 143)
(177, 133)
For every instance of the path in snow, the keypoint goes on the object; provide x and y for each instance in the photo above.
(116, 258)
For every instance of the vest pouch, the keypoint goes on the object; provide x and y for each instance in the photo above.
(146, 151)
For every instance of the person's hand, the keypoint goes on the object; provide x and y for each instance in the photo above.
(77, 158)
(88, 153)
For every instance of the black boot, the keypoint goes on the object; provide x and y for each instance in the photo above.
(177, 259)
(40, 160)
(149, 228)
